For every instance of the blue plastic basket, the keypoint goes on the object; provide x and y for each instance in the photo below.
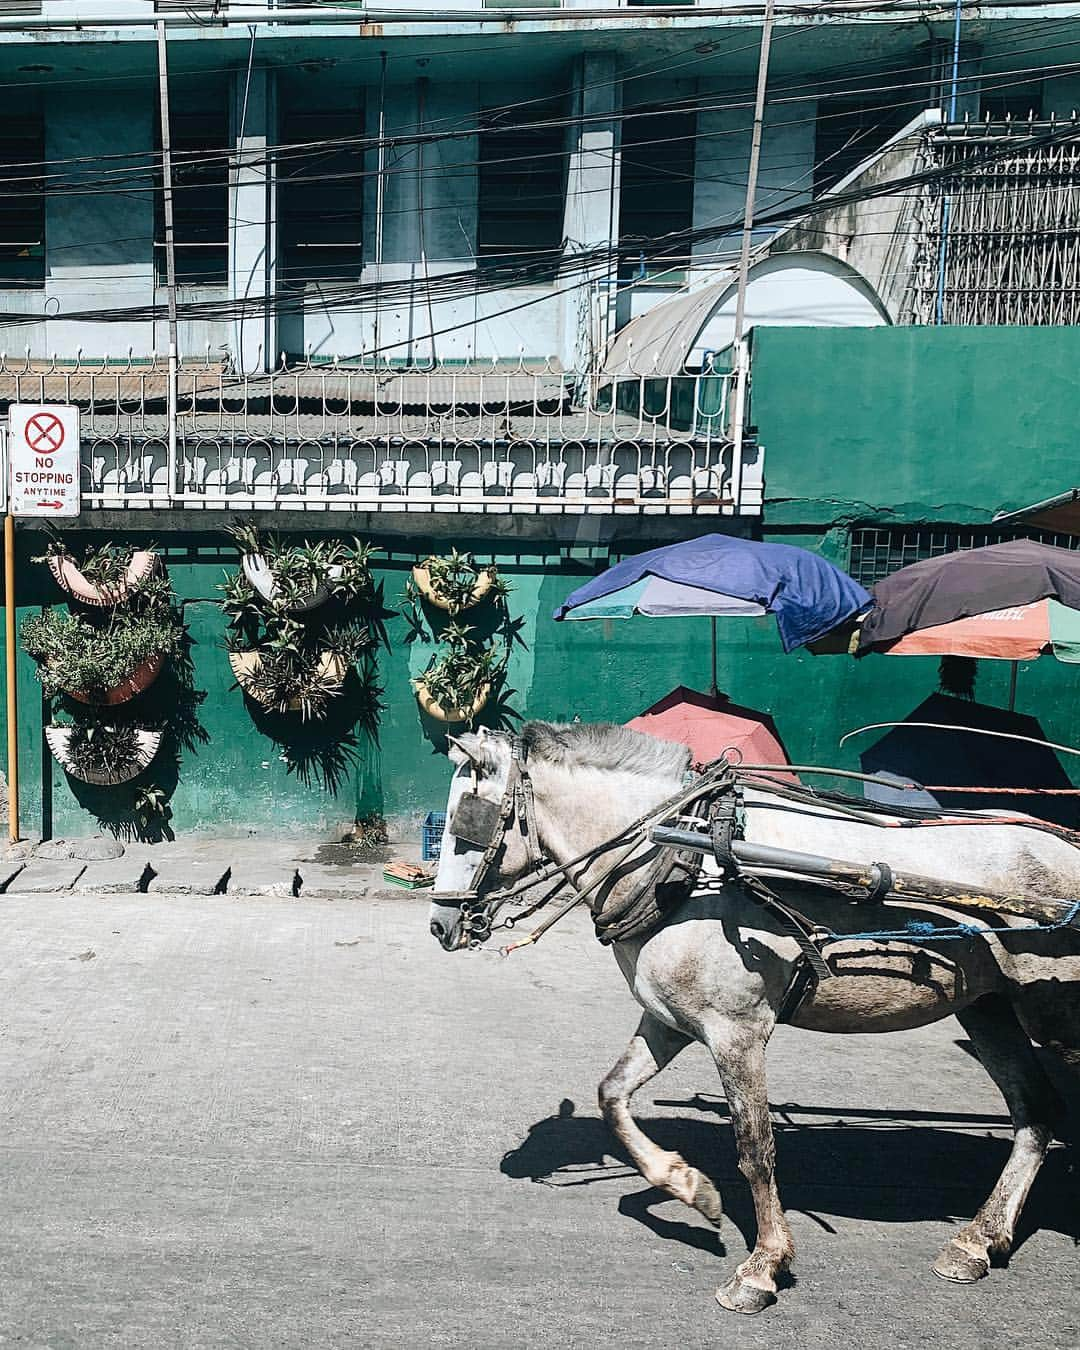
(431, 837)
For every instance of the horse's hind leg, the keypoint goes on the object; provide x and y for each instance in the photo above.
(1007, 1055)
(653, 1046)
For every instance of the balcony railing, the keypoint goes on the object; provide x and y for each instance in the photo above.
(484, 438)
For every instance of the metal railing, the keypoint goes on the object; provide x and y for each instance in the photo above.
(489, 437)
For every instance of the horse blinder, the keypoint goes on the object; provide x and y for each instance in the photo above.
(475, 821)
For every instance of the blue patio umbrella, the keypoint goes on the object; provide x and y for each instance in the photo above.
(718, 575)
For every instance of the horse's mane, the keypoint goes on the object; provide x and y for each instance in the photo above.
(604, 745)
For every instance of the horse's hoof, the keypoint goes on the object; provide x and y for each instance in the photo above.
(742, 1297)
(706, 1199)
(959, 1266)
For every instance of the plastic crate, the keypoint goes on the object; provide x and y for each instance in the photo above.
(431, 836)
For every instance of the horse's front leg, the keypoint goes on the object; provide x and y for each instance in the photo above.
(740, 1060)
(653, 1046)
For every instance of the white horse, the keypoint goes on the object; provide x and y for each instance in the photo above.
(718, 969)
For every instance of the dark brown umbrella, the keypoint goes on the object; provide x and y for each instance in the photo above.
(971, 581)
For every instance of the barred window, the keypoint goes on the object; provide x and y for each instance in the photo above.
(848, 130)
(522, 183)
(656, 184)
(320, 180)
(876, 553)
(22, 202)
(200, 172)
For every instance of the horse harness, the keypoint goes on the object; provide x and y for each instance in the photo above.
(666, 875)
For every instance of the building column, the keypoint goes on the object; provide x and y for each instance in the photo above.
(591, 215)
(253, 218)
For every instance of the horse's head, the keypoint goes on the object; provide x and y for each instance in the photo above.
(473, 821)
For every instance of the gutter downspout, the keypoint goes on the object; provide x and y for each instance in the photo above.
(741, 352)
(943, 248)
(170, 249)
(380, 189)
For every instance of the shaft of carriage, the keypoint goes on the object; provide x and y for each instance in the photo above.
(871, 881)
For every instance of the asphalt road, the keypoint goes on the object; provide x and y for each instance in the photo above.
(257, 1123)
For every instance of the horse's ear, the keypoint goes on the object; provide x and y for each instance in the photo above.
(470, 749)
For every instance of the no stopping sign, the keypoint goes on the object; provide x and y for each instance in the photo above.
(43, 453)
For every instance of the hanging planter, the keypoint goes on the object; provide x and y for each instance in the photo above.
(102, 754)
(295, 578)
(433, 708)
(455, 583)
(102, 663)
(302, 686)
(259, 575)
(459, 680)
(110, 581)
(140, 679)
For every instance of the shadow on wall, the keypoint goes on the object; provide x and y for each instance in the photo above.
(323, 752)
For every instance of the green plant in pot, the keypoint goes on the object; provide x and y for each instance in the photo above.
(456, 582)
(106, 658)
(300, 576)
(459, 680)
(293, 670)
(107, 574)
(94, 752)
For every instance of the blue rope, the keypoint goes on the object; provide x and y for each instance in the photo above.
(928, 932)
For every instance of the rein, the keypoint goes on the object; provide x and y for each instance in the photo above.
(717, 788)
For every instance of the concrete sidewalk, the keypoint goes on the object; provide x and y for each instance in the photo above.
(281, 1122)
(198, 865)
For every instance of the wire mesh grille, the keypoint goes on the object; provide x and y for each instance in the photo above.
(1011, 248)
(875, 553)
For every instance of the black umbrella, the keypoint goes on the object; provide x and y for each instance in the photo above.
(971, 581)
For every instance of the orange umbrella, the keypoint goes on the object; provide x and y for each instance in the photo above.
(1019, 633)
(710, 726)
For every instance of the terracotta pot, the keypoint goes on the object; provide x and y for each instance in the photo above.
(142, 677)
(440, 714)
(149, 742)
(245, 665)
(70, 579)
(260, 577)
(421, 575)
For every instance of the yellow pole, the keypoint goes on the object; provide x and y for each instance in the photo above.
(12, 692)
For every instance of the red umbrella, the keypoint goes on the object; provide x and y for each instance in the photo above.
(712, 725)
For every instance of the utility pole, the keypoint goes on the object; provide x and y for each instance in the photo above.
(741, 355)
(170, 244)
(380, 190)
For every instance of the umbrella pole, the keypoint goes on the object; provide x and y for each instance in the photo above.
(712, 687)
(1014, 666)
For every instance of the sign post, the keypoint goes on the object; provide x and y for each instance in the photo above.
(42, 481)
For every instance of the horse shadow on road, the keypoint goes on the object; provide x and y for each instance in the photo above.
(834, 1163)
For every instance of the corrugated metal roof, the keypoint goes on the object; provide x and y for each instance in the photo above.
(338, 430)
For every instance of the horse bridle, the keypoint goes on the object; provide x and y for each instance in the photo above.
(481, 823)
(489, 825)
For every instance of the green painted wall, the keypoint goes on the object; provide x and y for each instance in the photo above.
(910, 424)
(239, 780)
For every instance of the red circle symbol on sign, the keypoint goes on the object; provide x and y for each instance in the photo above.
(44, 433)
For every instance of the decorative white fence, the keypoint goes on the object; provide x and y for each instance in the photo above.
(491, 437)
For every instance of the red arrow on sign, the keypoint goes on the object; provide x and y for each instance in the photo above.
(56, 506)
